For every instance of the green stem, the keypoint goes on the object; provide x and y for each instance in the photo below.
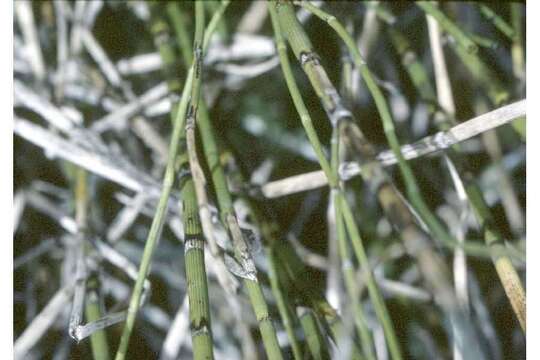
(197, 289)
(228, 216)
(462, 39)
(199, 307)
(497, 21)
(159, 217)
(298, 39)
(98, 340)
(314, 338)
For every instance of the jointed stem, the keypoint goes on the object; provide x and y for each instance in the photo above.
(224, 198)
(416, 241)
(197, 289)
(159, 217)
(295, 38)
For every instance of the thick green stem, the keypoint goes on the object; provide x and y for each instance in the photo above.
(199, 116)
(199, 308)
(197, 289)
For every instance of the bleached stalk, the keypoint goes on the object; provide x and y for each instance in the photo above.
(37, 328)
(177, 333)
(25, 18)
(437, 142)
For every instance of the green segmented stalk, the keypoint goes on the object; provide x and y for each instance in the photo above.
(161, 209)
(158, 220)
(497, 21)
(462, 39)
(197, 288)
(314, 338)
(228, 217)
(494, 240)
(298, 39)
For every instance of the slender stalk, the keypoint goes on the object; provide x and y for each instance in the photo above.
(93, 310)
(417, 242)
(349, 272)
(280, 282)
(159, 217)
(314, 338)
(224, 198)
(375, 296)
(197, 289)
(241, 250)
(448, 25)
(497, 21)
(283, 304)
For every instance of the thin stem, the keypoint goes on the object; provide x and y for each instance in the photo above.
(417, 242)
(197, 289)
(159, 217)
(463, 40)
(378, 303)
(98, 339)
(497, 21)
(241, 250)
(314, 338)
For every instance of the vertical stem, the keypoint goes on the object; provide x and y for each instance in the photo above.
(242, 254)
(199, 308)
(158, 220)
(314, 338)
(98, 340)
(300, 44)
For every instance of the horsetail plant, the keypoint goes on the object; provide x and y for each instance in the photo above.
(199, 309)
(277, 237)
(241, 249)
(325, 165)
(218, 176)
(168, 182)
